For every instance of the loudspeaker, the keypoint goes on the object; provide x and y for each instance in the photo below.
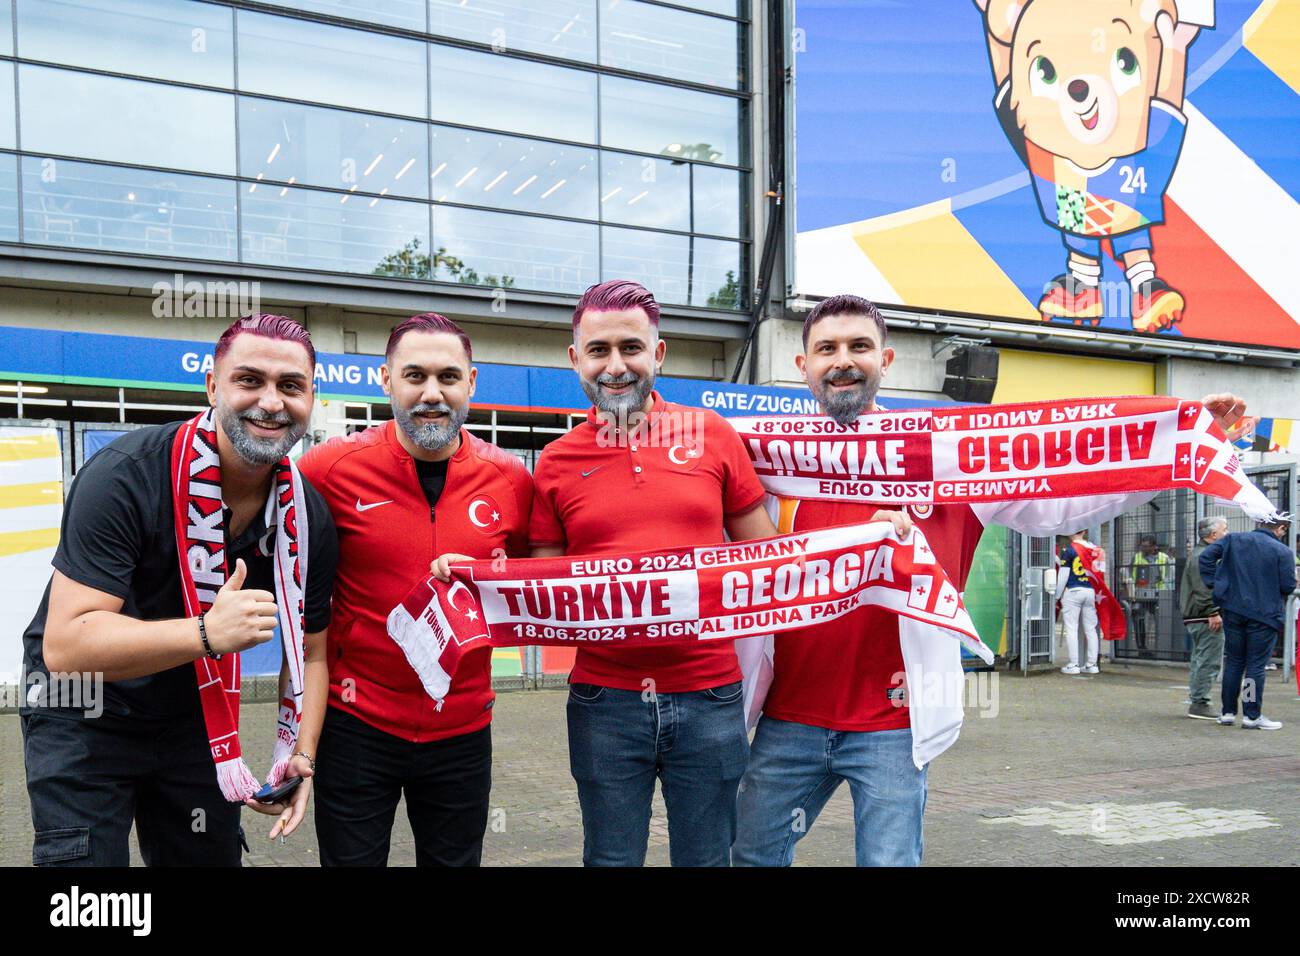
(971, 374)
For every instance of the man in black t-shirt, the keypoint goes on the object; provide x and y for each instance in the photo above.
(114, 611)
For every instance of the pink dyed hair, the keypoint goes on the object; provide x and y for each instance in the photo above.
(617, 295)
(269, 327)
(427, 322)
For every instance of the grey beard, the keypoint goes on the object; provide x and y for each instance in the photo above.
(845, 406)
(632, 400)
(259, 451)
(431, 437)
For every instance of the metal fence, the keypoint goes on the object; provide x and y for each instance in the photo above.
(1150, 551)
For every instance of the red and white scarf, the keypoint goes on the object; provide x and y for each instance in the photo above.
(993, 453)
(1059, 449)
(718, 592)
(201, 547)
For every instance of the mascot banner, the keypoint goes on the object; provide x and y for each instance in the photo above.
(1120, 164)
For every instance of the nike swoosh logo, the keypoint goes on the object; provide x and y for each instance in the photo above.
(361, 507)
(597, 468)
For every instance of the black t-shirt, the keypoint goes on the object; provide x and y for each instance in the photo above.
(433, 478)
(118, 536)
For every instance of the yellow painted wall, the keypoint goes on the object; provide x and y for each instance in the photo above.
(1042, 376)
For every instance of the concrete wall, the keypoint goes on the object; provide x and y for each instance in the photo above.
(1269, 392)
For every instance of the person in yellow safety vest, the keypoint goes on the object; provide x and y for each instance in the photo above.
(1150, 570)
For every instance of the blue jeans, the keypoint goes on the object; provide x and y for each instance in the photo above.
(1247, 646)
(694, 742)
(794, 769)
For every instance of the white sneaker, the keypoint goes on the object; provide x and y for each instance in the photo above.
(1227, 719)
(1070, 669)
(1091, 669)
(1260, 723)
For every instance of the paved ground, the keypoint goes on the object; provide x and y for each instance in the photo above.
(1071, 770)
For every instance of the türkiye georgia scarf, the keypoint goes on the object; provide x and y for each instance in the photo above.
(994, 453)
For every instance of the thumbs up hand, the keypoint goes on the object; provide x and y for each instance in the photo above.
(240, 619)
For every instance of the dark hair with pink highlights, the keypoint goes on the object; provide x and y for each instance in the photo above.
(268, 327)
(427, 322)
(617, 295)
(843, 305)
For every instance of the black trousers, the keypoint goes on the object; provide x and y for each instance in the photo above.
(88, 779)
(362, 772)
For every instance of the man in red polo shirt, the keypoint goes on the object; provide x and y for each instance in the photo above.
(401, 494)
(643, 473)
(837, 708)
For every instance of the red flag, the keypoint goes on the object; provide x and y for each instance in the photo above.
(1110, 616)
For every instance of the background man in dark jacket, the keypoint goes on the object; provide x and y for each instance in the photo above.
(1203, 622)
(1252, 574)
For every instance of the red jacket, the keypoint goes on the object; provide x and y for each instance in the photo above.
(387, 540)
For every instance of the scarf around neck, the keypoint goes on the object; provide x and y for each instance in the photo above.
(201, 548)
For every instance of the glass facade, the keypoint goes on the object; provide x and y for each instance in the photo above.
(449, 146)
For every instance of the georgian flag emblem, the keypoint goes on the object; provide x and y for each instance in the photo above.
(485, 514)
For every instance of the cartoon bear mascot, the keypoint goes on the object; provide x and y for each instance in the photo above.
(1090, 94)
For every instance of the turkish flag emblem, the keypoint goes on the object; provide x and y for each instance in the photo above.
(465, 615)
(485, 514)
(685, 455)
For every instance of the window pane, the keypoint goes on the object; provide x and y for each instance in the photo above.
(169, 39)
(658, 261)
(129, 121)
(718, 200)
(6, 27)
(486, 169)
(8, 197)
(642, 191)
(335, 233)
(333, 148)
(398, 13)
(517, 252)
(561, 28)
(499, 92)
(325, 64)
(660, 119)
(127, 210)
(653, 39)
(716, 275)
(7, 140)
(727, 7)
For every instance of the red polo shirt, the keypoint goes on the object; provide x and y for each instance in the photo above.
(669, 485)
(388, 536)
(840, 674)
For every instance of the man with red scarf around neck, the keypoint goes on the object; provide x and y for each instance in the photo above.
(835, 710)
(115, 609)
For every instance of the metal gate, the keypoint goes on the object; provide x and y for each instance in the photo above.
(1030, 600)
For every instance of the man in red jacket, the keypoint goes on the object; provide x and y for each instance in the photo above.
(401, 494)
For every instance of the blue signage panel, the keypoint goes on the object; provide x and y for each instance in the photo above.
(88, 358)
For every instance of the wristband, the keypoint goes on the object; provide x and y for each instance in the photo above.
(306, 757)
(203, 636)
